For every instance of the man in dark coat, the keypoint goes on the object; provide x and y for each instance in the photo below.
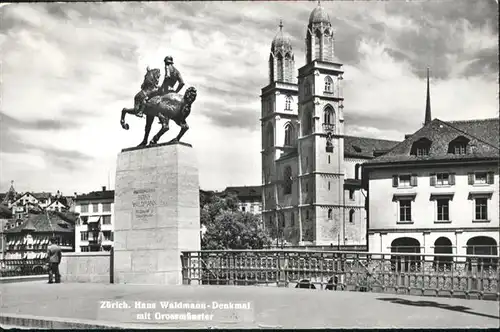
(54, 256)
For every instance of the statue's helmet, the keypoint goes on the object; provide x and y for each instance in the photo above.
(169, 60)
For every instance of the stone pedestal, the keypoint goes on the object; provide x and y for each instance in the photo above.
(157, 213)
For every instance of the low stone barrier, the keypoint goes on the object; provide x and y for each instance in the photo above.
(85, 267)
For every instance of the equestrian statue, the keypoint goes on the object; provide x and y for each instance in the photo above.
(163, 102)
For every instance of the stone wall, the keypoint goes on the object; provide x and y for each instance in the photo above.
(85, 267)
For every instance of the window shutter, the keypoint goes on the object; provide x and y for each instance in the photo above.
(452, 179)
(395, 181)
(471, 178)
(490, 177)
(433, 179)
(413, 180)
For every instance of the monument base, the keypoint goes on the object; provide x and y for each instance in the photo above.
(157, 213)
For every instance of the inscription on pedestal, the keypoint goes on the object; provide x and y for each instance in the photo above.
(144, 203)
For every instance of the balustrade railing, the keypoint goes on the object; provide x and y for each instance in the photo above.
(409, 273)
(22, 267)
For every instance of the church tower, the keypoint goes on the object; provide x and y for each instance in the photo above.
(279, 125)
(321, 139)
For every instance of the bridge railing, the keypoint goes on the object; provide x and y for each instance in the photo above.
(22, 267)
(409, 273)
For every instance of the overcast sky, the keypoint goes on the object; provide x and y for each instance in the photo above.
(68, 69)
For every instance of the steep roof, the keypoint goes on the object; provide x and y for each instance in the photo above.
(96, 195)
(47, 222)
(364, 147)
(440, 133)
(486, 130)
(5, 212)
(42, 195)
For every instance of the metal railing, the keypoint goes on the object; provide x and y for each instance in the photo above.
(22, 267)
(408, 273)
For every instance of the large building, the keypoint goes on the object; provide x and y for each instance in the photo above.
(312, 193)
(29, 237)
(437, 192)
(94, 231)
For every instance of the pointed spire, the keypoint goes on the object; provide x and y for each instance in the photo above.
(10, 195)
(428, 117)
(281, 25)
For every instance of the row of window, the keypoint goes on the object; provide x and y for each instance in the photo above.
(107, 236)
(106, 207)
(443, 209)
(104, 220)
(328, 86)
(330, 217)
(442, 179)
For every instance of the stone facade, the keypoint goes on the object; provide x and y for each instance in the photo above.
(157, 213)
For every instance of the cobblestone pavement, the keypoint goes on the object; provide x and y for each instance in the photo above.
(269, 307)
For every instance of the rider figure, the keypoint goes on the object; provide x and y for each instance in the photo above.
(149, 88)
(172, 76)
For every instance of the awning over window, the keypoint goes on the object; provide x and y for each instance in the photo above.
(404, 196)
(442, 195)
(480, 194)
(93, 219)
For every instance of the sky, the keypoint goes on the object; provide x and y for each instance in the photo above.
(67, 70)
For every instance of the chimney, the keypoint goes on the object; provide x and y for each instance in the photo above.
(103, 188)
(75, 194)
(407, 136)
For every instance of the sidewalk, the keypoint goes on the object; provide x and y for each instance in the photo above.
(267, 307)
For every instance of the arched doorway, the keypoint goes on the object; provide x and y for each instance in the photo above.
(405, 245)
(443, 245)
(482, 246)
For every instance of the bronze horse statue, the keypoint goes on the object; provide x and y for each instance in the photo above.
(169, 106)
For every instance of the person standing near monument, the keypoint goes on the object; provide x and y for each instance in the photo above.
(172, 76)
(54, 255)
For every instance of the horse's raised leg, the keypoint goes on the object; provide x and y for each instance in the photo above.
(164, 128)
(122, 119)
(147, 130)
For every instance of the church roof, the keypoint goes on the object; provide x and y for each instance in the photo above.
(319, 15)
(364, 147)
(282, 41)
(482, 136)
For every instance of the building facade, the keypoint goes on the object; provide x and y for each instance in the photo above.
(249, 197)
(311, 193)
(94, 230)
(28, 238)
(437, 191)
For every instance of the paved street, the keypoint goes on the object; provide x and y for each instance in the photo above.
(269, 307)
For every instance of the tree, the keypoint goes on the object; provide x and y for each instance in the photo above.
(229, 228)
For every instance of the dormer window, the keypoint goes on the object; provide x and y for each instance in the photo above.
(421, 147)
(458, 145)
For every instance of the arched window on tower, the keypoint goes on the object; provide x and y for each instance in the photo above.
(287, 179)
(288, 103)
(351, 216)
(289, 139)
(270, 135)
(307, 88)
(279, 69)
(328, 119)
(317, 46)
(307, 123)
(328, 84)
(330, 213)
